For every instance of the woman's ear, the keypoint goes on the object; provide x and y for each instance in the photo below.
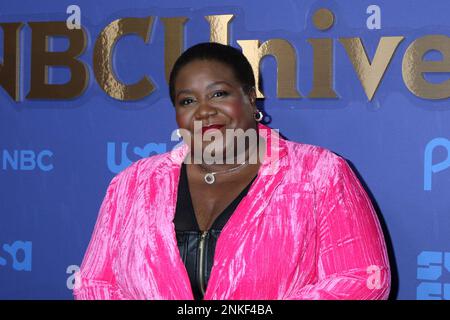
(252, 96)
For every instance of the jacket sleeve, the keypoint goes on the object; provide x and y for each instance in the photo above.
(351, 257)
(95, 280)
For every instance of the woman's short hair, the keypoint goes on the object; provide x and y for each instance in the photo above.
(227, 55)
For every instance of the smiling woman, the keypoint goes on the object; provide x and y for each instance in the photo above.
(210, 94)
(294, 224)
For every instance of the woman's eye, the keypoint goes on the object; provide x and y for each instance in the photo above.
(220, 94)
(186, 101)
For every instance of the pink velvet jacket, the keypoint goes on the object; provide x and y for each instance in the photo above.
(305, 230)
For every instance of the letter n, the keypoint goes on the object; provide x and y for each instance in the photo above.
(9, 68)
(42, 59)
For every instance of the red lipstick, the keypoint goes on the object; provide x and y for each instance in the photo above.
(214, 126)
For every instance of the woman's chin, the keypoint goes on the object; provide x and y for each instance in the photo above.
(211, 153)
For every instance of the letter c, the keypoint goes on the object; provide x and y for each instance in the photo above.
(41, 165)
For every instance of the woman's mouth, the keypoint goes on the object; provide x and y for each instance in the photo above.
(214, 126)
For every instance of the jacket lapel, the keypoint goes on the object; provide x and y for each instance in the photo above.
(270, 175)
(225, 270)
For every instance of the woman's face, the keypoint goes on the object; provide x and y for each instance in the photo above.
(208, 92)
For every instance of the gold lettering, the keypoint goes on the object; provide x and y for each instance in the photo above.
(9, 69)
(103, 50)
(323, 19)
(323, 69)
(286, 58)
(370, 74)
(173, 41)
(218, 26)
(42, 59)
(413, 67)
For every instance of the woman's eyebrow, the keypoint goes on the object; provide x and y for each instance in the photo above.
(185, 91)
(215, 83)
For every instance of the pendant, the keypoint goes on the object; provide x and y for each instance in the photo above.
(209, 178)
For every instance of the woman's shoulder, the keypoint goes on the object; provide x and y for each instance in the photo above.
(315, 164)
(313, 155)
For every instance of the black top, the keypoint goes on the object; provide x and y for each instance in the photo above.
(189, 234)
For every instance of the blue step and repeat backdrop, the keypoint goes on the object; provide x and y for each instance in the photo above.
(83, 94)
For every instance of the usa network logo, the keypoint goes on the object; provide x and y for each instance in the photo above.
(433, 270)
(121, 151)
(19, 255)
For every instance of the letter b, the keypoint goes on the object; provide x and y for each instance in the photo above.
(27, 160)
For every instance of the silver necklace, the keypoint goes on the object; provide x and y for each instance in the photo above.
(210, 176)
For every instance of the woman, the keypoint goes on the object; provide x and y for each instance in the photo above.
(293, 224)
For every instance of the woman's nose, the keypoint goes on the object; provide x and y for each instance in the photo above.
(205, 110)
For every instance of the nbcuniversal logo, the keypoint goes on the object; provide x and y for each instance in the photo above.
(370, 70)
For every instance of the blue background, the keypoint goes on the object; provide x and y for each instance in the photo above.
(384, 139)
